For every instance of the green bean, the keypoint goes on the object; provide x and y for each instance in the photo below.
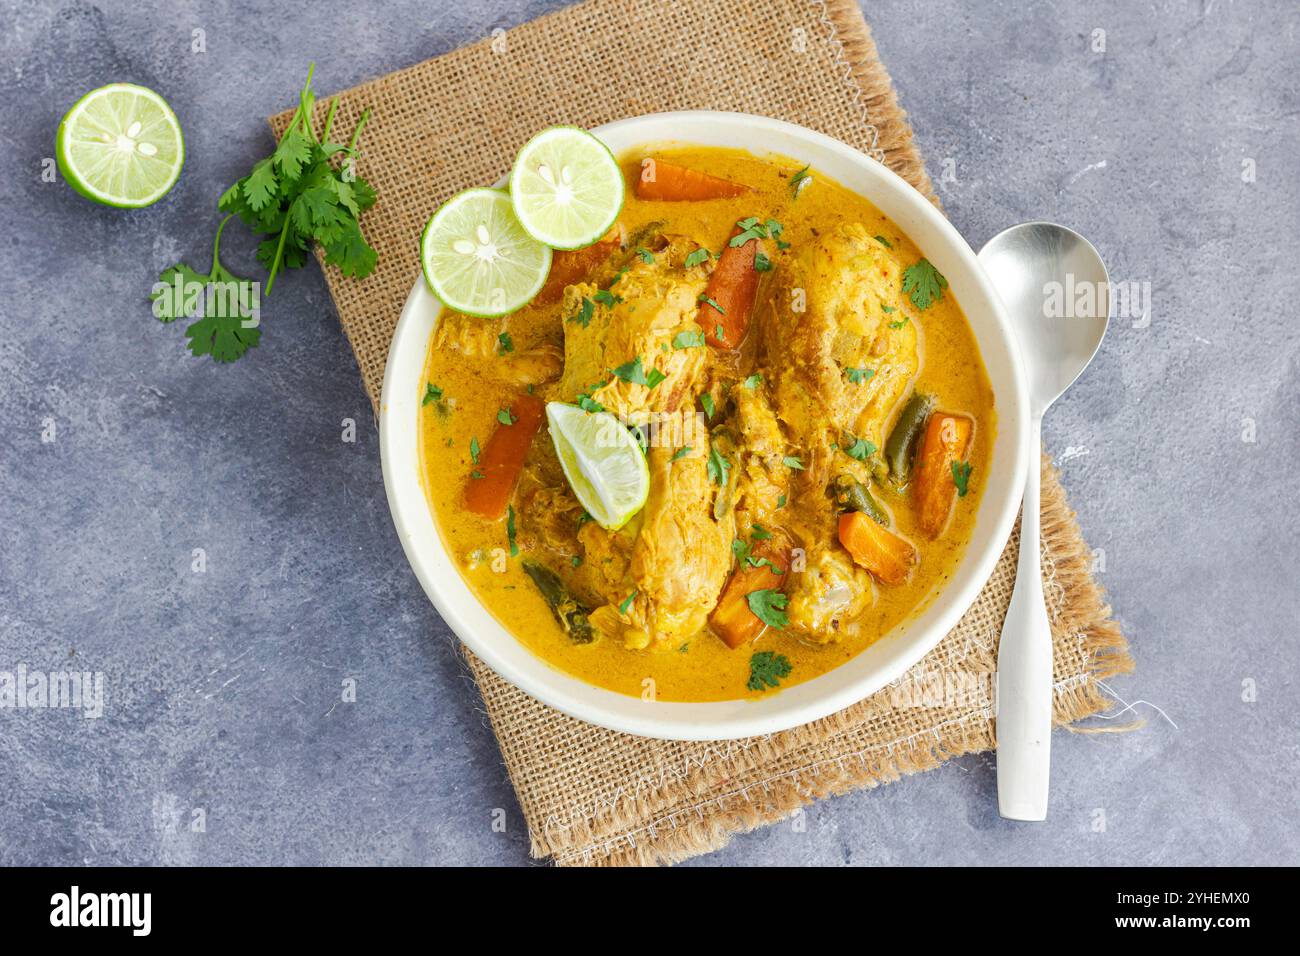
(852, 495)
(571, 615)
(900, 448)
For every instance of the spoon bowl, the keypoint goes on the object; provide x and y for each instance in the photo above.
(1057, 292)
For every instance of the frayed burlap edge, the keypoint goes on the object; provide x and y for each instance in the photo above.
(870, 84)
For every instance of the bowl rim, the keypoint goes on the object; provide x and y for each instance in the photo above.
(903, 646)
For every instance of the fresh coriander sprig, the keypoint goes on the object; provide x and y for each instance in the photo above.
(297, 197)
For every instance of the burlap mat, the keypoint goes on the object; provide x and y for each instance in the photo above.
(591, 796)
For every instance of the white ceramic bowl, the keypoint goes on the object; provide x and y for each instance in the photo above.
(879, 664)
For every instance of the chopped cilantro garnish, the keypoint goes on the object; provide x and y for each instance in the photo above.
(961, 477)
(585, 313)
(510, 531)
(505, 343)
(473, 450)
(627, 602)
(696, 257)
(718, 466)
(752, 382)
(883, 241)
(799, 181)
(646, 255)
(768, 606)
(605, 297)
(766, 668)
(635, 373)
(504, 417)
(432, 393)
(861, 449)
(704, 297)
(923, 284)
(859, 376)
(791, 462)
(706, 402)
(681, 452)
(762, 263)
(690, 339)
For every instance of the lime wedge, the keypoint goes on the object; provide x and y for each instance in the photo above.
(566, 187)
(477, 258)
(121, 145)
(604, 463)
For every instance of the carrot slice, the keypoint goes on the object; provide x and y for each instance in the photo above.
(568, 267)
(668, 181)
(872, 545)
(946, 440)
(502, 460)
(731, 619)
(729, 297)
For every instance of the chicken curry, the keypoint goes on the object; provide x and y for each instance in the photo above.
(812, 406)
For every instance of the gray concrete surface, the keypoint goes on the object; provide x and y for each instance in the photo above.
(223, 687)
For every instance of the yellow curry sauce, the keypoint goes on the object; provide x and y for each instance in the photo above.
(699, 667)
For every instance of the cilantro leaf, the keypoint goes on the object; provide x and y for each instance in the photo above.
(923, 284)
(861, 449)
(634, 372)
(799, 181)
(766, 668)
(961, 476)
(261, 185)
(718, 467)
(432, 393)
(859, 376)
(696, 257)
(585, 312)
(690, 339)
(178, 298)
(221, 336)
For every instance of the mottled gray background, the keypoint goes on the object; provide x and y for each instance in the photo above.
(222, 687)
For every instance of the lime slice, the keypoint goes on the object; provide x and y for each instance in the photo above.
(604, 463)
(121, 145)
(477, 258)
(566, 187)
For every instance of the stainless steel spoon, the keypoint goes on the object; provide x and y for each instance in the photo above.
(1057, 293)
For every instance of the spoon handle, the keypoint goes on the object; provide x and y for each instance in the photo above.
(1024, 687)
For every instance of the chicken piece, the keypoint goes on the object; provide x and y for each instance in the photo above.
(764, 478)
(648, 306)
(470, 335)
(827, 594)
(681, 557)
(476, 337)
(837, 369)
(840, 366)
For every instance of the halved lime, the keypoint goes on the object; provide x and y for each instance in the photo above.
(566, 187)
(604, 463)
(121, 145)
(477, 258)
